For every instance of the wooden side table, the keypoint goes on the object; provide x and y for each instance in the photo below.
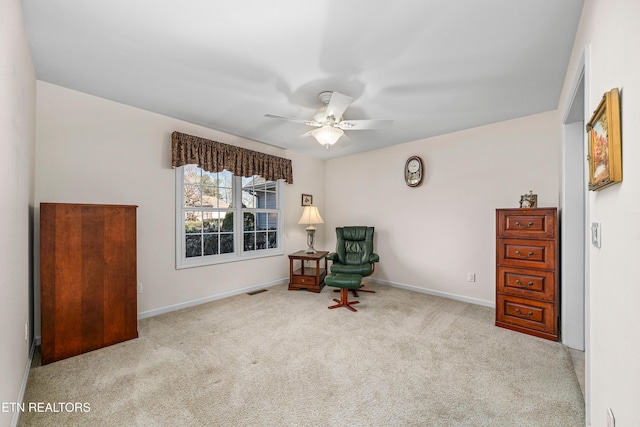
(309, 278)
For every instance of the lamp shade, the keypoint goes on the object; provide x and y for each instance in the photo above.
(310, 215)
(327, 134)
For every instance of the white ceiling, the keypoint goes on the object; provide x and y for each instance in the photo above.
(433, 66)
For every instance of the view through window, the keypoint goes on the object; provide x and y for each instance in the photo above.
(209, 204)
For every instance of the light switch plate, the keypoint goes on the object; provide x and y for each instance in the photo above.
(595, 234)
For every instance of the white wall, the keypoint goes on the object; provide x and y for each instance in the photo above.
(92, 150)
(609, 30)
(17, 121)
(429, 237)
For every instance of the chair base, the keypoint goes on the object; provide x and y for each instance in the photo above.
(345, 282)
(344, 300)
(355, 291)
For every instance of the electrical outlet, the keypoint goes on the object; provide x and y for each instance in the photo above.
(471, 277)
(611, 420)
(139, 287)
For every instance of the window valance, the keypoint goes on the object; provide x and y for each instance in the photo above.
(214, 156)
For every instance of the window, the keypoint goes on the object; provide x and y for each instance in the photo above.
(208, 205)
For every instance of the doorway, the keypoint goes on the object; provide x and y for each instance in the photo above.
(573, 222)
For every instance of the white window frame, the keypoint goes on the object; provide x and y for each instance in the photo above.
(239, 253)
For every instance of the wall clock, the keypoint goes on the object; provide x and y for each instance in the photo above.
(413, 171)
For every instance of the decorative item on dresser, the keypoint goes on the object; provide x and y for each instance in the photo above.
(88, 277)
(529, 200)
(527, 286)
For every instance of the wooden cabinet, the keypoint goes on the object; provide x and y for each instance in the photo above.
(88, 283)
(306, 277)
(527, 291)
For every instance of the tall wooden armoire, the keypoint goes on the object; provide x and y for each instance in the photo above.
(88, 277)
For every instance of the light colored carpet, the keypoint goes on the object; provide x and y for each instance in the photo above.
(281, 358)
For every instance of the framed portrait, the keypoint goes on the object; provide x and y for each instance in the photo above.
(605, 145)
(307, 200)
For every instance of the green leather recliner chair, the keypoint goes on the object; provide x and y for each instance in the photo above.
(354, 253)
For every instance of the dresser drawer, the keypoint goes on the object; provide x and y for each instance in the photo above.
(303, 280)
(530, 314)
(526, 283)
(527, 253)
(310, 283)
(529, 223)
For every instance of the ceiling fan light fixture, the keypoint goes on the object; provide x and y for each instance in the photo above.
(327, 135)
(328, 119)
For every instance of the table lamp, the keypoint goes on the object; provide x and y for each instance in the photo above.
(310, 216)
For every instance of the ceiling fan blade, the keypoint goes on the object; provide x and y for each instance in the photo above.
(364, 124)
(338, 104)
(292, 119)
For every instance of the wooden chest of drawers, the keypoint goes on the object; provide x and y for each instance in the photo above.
(526, 271)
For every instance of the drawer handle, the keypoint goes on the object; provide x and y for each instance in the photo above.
(528, 285)
(519, 224)
(524, 256)
(529, 314)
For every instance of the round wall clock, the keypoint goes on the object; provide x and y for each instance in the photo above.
(413, 171)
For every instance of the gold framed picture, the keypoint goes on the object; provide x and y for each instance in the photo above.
(605, 146)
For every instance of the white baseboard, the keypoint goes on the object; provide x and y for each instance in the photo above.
(433, 292)
(193, 303)
(23, 387)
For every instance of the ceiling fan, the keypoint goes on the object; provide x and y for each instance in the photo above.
(328, 119)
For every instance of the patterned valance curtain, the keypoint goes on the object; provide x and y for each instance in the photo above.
(215, 156)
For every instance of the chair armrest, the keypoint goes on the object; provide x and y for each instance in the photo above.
(374, 258)
(332, 256)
